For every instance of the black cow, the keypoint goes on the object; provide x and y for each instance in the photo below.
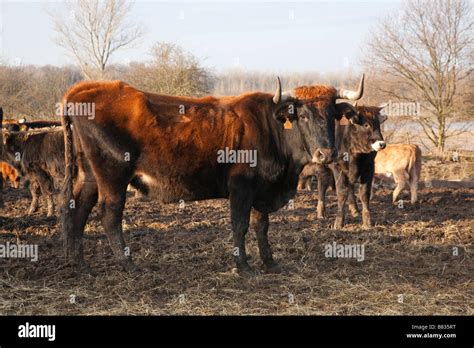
(357, 142)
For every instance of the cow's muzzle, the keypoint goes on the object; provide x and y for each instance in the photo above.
(324, 156)
(378, 145)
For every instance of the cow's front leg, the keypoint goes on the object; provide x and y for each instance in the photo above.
(342, 192)
(322, 188)
(364, 195)
(260, 223)
(240, 205)
(351, 201)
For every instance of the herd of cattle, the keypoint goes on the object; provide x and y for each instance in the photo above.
(166, 147)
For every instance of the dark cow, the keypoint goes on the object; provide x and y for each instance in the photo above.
(39, 156)
(357, 141)
(173, 145)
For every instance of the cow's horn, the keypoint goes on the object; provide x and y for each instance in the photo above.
(352, 95)
(277, 96)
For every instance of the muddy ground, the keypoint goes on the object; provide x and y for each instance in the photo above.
(185, 256)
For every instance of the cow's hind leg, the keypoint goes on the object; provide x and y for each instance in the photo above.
(47, 187)
(35, 193)
(414, 188)
(85, 193)
(401, 180)
(260, 223)
(111, 205)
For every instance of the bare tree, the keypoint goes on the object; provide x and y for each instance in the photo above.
(93, 30)
(171, 71)
(428, 49)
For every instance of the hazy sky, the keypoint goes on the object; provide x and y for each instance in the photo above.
(258, 35)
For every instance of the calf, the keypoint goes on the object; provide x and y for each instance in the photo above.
(403, 161)
(40, 158)
(9, 173)
(357, 142)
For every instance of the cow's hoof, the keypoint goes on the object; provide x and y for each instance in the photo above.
(244, 271)
(338, 224)
(130, 266)
(272, 268)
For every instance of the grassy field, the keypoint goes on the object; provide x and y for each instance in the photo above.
(185, 257)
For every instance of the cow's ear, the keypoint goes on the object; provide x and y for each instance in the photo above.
(286, 112)
(348, 111)
(382, 117)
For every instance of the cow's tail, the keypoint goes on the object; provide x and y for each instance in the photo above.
(414, 172)
(68, 204)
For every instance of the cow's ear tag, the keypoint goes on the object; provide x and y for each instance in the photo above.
(344, 121)
(287, 124)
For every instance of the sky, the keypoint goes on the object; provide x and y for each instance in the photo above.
(323, 36)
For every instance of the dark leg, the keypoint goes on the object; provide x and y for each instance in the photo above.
(351, 201)
(111, 205)
(241, 198)
(261, 223)
(364, 195)
(86, 198)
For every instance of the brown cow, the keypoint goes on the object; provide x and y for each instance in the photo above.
(9, 173)
(174, 144)
(403, 161)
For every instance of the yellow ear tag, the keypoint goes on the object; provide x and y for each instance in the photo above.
(287, 124)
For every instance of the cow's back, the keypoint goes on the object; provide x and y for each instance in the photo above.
(397, 157)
